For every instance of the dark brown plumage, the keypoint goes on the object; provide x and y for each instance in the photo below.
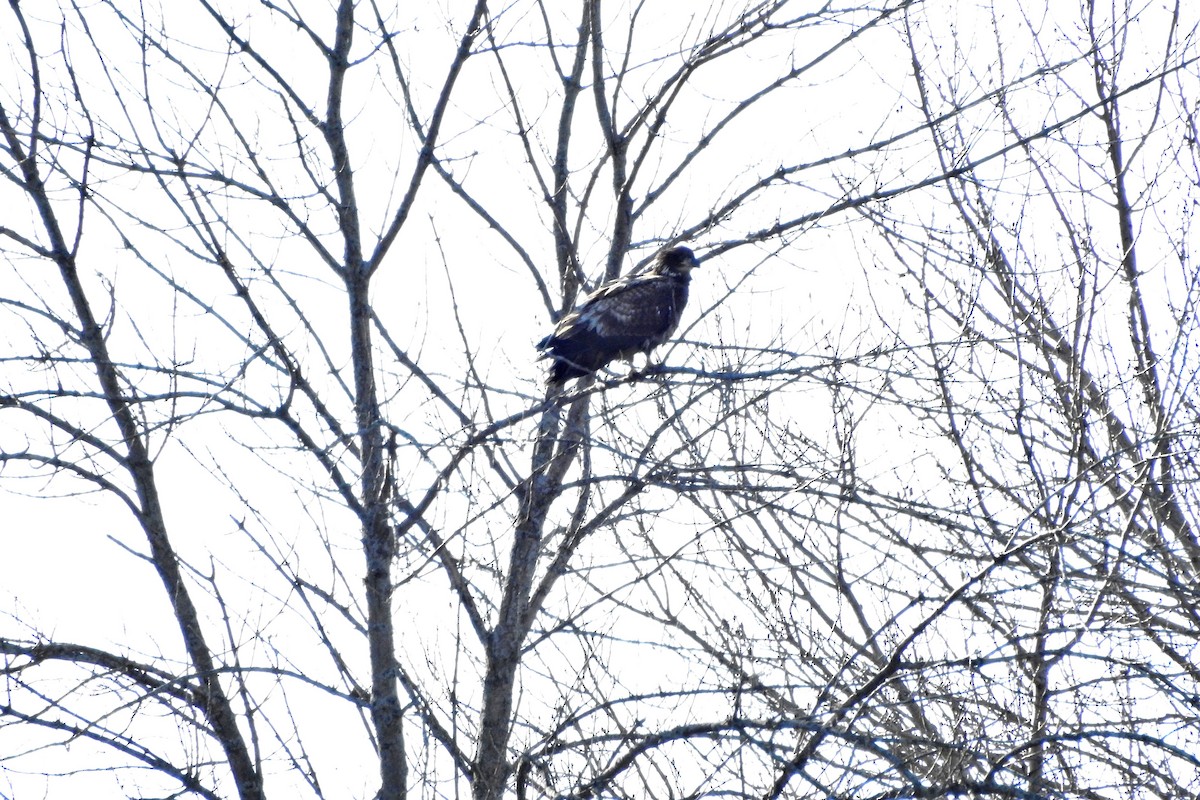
(632, 315)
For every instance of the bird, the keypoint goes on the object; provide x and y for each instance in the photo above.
(630, 315)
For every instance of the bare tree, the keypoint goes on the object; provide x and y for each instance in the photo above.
(906, 512)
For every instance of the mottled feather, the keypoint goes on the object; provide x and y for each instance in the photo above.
(631, 315)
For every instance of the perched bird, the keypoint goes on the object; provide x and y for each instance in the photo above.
(631, 315)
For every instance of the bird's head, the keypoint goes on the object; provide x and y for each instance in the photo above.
(677, 260)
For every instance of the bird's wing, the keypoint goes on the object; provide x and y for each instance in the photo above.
(640, 308)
